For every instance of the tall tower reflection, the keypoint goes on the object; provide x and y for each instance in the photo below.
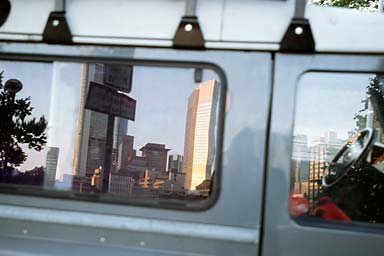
(199, 144)
(92, 127)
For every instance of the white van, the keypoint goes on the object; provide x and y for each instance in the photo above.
(185, 127)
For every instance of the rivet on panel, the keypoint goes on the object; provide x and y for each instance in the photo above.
(299, 30)
(188, 27)
(55, 23)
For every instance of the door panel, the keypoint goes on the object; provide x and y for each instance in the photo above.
(316, 99)
(229, 226)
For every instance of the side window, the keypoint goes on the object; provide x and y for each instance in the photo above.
(109, 132)
(338, 147)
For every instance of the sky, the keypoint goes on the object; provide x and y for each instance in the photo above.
(161, 103)
(328, 102)
(162, 108)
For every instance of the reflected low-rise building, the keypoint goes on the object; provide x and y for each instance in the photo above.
(204, 188)
(120, 185)
(175, 182)
(175, 163)
(310, 161)
(155, 155)
(76, 183)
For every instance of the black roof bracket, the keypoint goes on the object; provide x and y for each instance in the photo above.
(298, 37)
(188, 34)
(56, 30)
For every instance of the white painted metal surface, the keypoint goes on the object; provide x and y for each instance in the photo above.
(226, 24)
(154, 226)
(230, 227)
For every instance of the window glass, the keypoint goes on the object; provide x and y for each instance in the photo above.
(109, 132)
(338, 149)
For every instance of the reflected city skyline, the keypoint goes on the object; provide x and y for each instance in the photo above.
(309, 161)
(338, 174)
(152, 169)
(323, 124)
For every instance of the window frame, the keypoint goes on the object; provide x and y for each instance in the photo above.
(36, 53)
(312, 221)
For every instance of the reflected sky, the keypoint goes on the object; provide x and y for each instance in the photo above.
(328, 102)
(161, 107)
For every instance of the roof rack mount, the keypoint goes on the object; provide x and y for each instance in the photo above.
(298, 37)
(188, 34)
(56, 30)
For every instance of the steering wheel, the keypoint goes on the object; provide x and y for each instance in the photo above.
(349, 157)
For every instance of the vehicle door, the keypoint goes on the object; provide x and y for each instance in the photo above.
(75, 213)
(324, 173)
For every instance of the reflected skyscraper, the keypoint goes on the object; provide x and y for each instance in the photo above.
(175, 163)
(125, 152)
(199, 144)
(51, 166)
(92, 127)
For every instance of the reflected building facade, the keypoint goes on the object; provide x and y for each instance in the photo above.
(175, 163)
(51, 166)
(199, 143)
(156, 156)
(301, 159)
(120, 185)
(310, 160)
(125, 152)
(91, 132)
(321, 153)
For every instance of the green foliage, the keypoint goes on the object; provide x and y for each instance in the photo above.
(17, 127)
(361, 116)
(367, 5)
(1, 79)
